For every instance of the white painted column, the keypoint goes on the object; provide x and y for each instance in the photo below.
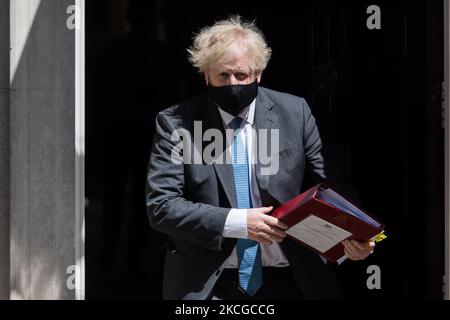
(80, 149)
(46, 116)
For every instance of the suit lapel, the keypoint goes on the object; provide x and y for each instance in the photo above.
(265, 118)
(224, 172)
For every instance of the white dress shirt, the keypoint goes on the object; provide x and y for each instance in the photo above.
(236, 222)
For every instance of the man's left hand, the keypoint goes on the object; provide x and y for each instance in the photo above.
(358, 250)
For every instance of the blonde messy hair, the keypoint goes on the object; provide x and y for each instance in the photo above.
(213, 43)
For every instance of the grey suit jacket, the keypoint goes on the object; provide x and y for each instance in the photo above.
(190, 202)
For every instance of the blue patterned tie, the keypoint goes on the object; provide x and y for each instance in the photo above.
(248, 251)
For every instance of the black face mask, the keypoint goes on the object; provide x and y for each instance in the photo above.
(234, 98)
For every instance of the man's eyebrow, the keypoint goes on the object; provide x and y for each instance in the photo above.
(234, 71)
(239, 71)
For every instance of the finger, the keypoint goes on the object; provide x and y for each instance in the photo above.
(350, 248)
(356, 252)
(271, 237)
(274, 231)
(371, 247)
(259, 239)
(349, 255)
(266, 210)
(275, 222)
(355, 249)
(363, 246)
(354, 256)
(263, 240)
(364, 249)
(275, 238)
(345, 243)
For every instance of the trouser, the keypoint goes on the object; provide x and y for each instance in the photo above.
(278, 284)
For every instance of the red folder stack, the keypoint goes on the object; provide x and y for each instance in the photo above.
(321, 219)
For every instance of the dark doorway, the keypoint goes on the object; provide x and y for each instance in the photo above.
(375, 93)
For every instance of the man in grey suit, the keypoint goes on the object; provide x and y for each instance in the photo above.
(222, 242)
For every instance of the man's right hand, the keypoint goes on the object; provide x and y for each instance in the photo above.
(263, 228)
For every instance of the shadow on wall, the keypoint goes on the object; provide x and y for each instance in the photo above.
(42, 104)
(4, 152)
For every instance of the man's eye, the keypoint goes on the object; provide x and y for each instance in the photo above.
(241, 76)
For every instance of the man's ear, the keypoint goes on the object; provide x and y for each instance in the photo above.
(258, 78)
(206, 78)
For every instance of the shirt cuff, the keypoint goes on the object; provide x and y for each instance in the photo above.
(236, 224)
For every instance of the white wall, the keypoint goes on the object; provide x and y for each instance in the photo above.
(43, 233)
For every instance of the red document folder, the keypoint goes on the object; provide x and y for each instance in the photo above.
(321, 219)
